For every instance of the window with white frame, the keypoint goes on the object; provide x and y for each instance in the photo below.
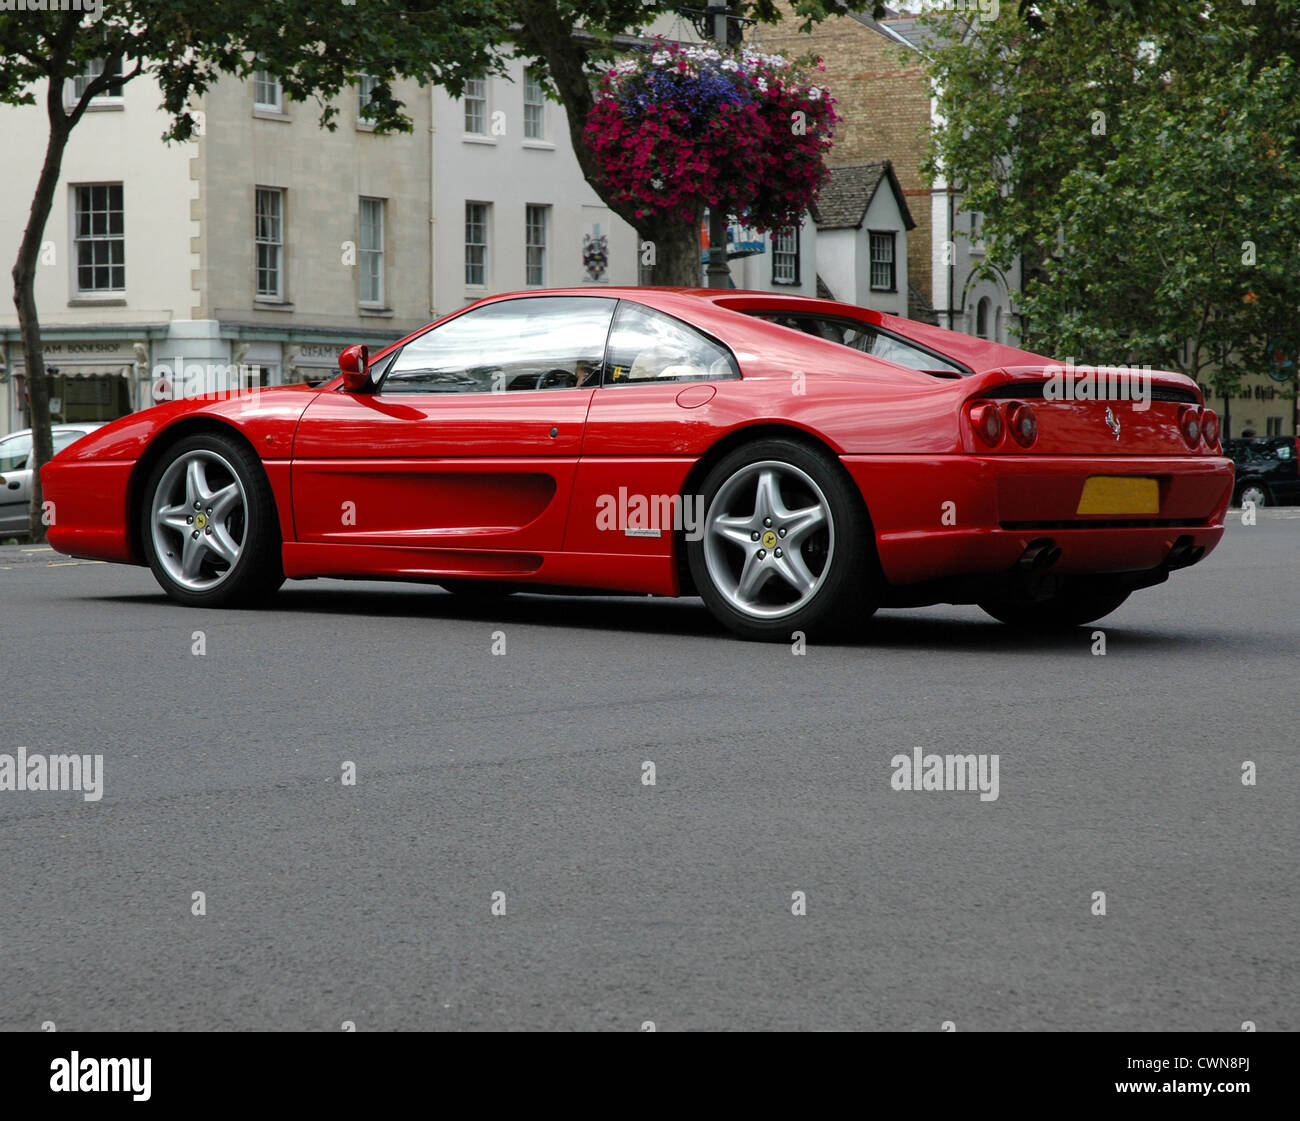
(100, 238)
(535, 220)
(93, 69)
(476, 244)
(534, 107)
(476, 106)
(365, 90)
(370, 252)
(785, 256)
(267, 94)
(269, 238)
(883, 276)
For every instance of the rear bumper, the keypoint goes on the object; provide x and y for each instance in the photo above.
(959, 515)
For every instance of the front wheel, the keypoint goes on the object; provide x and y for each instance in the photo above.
(1071, 606)
(784, 544)
(209, 529)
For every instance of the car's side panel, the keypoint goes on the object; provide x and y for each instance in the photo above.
(436, 471)
(630, 506)
(847, 415)
(650, 575)
(434, 503)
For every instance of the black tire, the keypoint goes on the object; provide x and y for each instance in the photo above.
(253, 525)
(1072, 606)
(478, 589)
(1263, 497)
(839, 558)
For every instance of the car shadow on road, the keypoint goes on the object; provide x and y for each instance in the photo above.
(688, 617)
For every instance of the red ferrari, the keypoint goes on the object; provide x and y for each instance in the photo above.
(797, 463)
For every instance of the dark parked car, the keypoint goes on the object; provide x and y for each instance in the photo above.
(1267, 470)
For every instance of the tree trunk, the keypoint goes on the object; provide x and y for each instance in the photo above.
(29, 325)
(672, 250)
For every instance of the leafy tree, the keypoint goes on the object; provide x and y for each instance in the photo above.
(1142, 157)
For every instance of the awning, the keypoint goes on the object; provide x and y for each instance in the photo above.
(83, 370)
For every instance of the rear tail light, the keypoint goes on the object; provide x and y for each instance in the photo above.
(1189, 423)
(988, 423)
(1210, 428)
(1023, 424)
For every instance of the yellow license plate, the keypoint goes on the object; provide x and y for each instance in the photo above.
(1111, 494)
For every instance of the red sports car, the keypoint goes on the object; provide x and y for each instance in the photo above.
(797, 463)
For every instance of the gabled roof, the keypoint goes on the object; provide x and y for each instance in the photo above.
(904, 28)
(842, 203)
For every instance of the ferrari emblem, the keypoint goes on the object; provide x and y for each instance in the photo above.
(200, 520)
(769, 540)
(1112, 421)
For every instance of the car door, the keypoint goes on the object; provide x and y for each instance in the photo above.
(469, 443)
(657, 407)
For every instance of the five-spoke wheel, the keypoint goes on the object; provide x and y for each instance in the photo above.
(784, 543)
(209, 531)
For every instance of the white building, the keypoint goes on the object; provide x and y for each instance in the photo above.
(852, 245)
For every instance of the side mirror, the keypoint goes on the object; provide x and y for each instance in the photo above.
(355, 364)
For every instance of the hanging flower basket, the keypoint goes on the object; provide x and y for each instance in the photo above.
(676, 128)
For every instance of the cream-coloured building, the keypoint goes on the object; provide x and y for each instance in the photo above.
(264, 246)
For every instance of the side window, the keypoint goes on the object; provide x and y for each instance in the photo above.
(14, 453)
(541, 342)
(647, 345)
(914, 358)
(862, 337)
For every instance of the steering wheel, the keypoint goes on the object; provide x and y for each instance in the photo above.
(556, 378)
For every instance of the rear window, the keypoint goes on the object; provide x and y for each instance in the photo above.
(865, 339)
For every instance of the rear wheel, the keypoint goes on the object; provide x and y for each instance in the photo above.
(1072, 606)
(785, 543)
(209, 527)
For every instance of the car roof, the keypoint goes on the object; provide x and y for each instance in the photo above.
(717, 308)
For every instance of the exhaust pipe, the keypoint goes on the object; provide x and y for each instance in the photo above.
(1039, 555)
(1184, 553)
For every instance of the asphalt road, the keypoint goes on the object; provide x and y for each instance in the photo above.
(521, 773)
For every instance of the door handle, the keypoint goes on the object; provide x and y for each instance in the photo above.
(14, 485)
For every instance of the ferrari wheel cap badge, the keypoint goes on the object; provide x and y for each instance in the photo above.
(200, 520)
(769, 540)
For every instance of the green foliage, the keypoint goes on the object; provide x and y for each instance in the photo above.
(316, 49)
(1143, 159)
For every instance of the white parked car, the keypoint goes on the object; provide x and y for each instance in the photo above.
(16, 475)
